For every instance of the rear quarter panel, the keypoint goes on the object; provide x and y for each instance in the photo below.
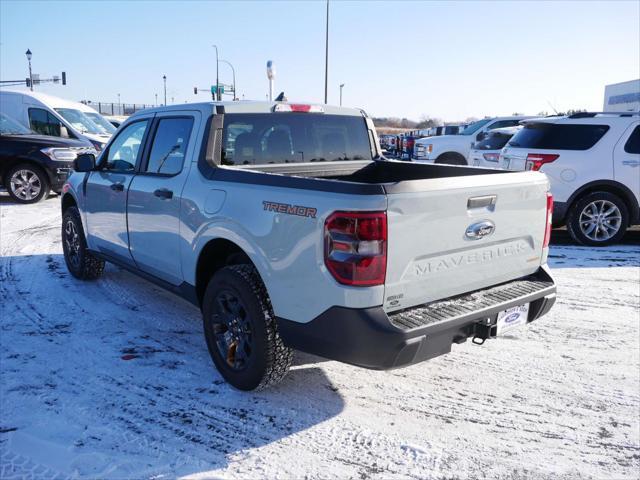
(287, 250)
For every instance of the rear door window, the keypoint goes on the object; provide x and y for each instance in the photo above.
(494, 141)
(633, 143)
(170, 145)
(269, 138)
(549, 136)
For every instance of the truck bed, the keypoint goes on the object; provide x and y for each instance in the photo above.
(373, 172)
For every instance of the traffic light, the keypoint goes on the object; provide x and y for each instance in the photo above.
(64, 78)
(28, 81)
(195, 90)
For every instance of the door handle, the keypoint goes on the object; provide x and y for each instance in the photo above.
(163, 193)
(117, 187)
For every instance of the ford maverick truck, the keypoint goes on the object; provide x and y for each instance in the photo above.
(284, 224)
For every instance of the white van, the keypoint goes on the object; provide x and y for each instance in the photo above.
(49, 115)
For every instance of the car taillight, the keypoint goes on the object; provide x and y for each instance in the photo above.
(536, 160)
(491, 157)
(355, 249)
(547, 231)
(297, 107)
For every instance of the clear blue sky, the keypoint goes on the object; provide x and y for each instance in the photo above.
(450, 60)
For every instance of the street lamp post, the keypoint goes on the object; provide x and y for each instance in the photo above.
(119, 106)
(217, 81)
(326, 57)
(164, 79)
(233, 71)
(271, 75)
(341, 85)
(28, 54)
(156, 99)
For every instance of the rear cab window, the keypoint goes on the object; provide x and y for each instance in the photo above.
(548, 136)
(268, 138)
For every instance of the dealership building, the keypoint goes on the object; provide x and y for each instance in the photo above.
(622, 97)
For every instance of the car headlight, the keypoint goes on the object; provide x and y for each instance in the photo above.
(60, 154)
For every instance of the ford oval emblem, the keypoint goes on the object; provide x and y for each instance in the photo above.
(512, 318)
(480, 230)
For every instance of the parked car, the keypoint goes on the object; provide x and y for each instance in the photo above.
(454, 149)
(593, 163)
(387, 142)
(116, 120)
(33, 165)
(56, 117)
(486, 152)
(287, 227)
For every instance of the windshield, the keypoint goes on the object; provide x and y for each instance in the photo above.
(80, 121)
(259, 138)
(8, 126)
(101, 122)
(474, 127)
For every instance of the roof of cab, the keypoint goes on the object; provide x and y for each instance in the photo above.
(249, 106)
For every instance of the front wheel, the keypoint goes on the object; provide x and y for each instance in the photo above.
(598, 219)
(27, 183)
(79, 260)
(241, 331)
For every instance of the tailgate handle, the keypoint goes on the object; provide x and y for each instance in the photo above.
(488, 201)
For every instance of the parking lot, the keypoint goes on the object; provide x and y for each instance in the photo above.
(113, 378)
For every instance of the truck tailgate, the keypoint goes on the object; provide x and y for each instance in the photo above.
(441, 241)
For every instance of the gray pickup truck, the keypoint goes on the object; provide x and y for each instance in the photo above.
(289, 230)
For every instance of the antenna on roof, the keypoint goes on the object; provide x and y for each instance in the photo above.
(553, 108)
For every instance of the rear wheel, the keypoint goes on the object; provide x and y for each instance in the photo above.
(598, 219)
(240, 329)
(27, 183)
(451, 158)
(79, 260)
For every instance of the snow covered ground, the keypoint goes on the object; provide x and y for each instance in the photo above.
(112, 379)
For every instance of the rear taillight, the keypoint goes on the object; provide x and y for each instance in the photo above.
(355, 249)
(536, 160)
(491, 157)
(547, 231)
(297, 107)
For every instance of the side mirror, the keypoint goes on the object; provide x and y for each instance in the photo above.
(85, 162)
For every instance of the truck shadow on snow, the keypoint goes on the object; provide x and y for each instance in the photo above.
(122, 368)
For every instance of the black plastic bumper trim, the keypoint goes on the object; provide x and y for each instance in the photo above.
(367, 338)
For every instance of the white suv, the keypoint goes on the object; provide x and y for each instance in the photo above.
(593, 163)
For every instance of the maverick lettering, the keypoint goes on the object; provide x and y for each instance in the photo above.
(454, 261)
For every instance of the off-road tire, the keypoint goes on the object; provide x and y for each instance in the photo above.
(270, 358)
(451, 159)
(576, 210)
(85, 266)
(43, 182)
